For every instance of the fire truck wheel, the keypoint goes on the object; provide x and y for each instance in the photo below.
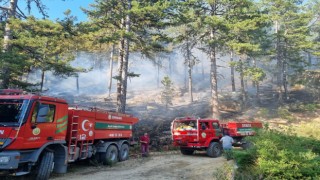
(124, 152)
(186, 151)
(214, 149)
(45, 167)
(111, 156)
(246, 145)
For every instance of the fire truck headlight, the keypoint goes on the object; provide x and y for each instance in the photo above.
(4, 159)
(176, 133)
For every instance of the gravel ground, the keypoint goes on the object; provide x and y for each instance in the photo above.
(160, 166)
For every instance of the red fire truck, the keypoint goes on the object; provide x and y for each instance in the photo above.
(42, 134)
(190, 134)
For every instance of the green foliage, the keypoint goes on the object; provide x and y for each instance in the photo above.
(146, 24)
(167, 92)
(310, 129)
(245, 158)
(255, 74)
(301, 107)
(38, 45)
(311, 79)
(224, 173)
(281, 155)
(284, 113)
(17, 65)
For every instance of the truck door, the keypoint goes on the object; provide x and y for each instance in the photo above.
(41, 126)
(217, 129)
(205, 132)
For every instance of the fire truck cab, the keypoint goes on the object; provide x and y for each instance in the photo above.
(192, 134)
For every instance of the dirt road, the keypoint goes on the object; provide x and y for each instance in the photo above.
(161, 166)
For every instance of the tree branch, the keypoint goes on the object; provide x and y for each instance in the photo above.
(4, 8)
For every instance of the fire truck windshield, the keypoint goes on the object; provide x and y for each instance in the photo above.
(185, 125)
(11, 111)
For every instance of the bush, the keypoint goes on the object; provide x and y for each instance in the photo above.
(245, 159)
(280, 155)
(226, 172)
(310, 130)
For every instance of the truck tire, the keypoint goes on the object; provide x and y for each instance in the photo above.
(214, 149)
(246, 145)
(45, 167)
(186, 151)
(124, 152)
(111, 156)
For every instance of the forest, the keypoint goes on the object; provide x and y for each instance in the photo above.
(257, 43)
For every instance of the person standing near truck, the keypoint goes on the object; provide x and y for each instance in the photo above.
(144, 142)
(227, 142)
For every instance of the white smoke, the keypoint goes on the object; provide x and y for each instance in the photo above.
(95, 81)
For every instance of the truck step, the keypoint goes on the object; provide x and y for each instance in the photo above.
(21, 173)
(71, 160)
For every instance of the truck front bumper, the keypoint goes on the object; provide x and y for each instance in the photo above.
(9, 160)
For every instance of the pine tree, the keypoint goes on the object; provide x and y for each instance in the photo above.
(167, 92)
(10, 11)
(291, 36)
(134, 26)
(44, 45)
(186, 34)
(245, 26)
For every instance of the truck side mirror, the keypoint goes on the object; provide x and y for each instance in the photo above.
(42, 113)
(33, 126)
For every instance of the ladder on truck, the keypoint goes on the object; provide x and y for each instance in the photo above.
(84, 148)
(73, 139)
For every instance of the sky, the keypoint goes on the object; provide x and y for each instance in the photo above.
(56, 8)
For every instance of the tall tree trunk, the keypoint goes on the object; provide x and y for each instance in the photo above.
(284, 74)
(258, 92)
(8, 32)
(243, 93)
(232, 73)
(189, 72)
(185, 75)
(285, 81)
(254, 65)
(214, 83)
(309, 60)
(42, 80)
(120, 65)
(256, 84)
(125, 62)
(6, 43)
(77, 79)
(158, 72)
(279, 64)
(111, 69)
(119, 78)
